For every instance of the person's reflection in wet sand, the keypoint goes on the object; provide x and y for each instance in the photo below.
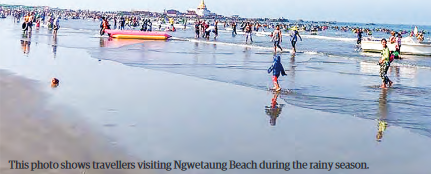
(196, 54)
(54, 46)
(25, 42)
(397, 72)
(292, 69)
(102, 42)
(274, 110)
(383, 113)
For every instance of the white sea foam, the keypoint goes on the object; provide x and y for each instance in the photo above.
(329, 38)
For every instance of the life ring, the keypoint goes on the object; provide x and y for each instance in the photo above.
(24, 26)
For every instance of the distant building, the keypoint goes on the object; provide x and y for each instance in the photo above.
(144, 13)
(202, 9)
(191, 14)
(172, 13)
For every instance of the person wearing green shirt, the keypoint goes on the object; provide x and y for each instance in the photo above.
(384, 63)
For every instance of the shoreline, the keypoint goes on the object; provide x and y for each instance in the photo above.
(32, 131)
(161, 115)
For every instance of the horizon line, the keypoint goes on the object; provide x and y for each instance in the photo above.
(90, 9)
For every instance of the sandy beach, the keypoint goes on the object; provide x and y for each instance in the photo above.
(106, 111)
(31, 131)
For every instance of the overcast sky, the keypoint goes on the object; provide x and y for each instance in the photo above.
(416, 12)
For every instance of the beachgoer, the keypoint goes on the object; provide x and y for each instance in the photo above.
(150, 25)
(51, 22)
(104, 26)
(248, 33)
(359, 35)
(384, 63)
(420, 37)
(234, 29)
(277, 69)
(197, 24)
(206, 31)
(122, 23)
(54, 82)
(277, 38)
(115, 22)
(398, 45)
(56, 26)
(144, 25)
(294, 39)
(215, 29)
(392, 39)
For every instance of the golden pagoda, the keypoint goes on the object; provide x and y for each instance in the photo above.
(202, 5)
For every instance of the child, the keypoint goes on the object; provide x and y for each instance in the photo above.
(276, 69)
(384, 63)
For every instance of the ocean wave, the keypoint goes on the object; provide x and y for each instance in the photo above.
(329, 38)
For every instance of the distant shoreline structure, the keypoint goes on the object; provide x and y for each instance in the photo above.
(190, 14)
(201, 12)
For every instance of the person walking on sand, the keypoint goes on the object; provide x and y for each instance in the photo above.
(277, 38)
(294, 39)
(277, 69)
(384, 63)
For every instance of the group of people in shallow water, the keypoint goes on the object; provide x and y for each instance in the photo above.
(277, 38)
(31, 18)
(204, 29)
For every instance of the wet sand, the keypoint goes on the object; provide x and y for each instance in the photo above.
(157, 115)
(32, 131)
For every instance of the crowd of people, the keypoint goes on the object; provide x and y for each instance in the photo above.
(203, 28)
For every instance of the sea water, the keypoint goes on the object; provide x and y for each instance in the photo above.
(327, 74)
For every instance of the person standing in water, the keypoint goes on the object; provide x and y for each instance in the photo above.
(277, 38)
(397, 51)
(384, 63)
(115, 23)
(122, 23)
(234, 29)
(215, 29)
(294, 39)
(248, 33)
(392, 39)
(197, 25)
(56, 26)
(359, 35)
(277, 69)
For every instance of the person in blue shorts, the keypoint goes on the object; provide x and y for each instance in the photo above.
(294, 39)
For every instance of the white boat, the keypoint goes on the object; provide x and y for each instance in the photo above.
(408, 46)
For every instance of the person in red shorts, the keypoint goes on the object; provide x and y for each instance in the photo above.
(277, 69)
